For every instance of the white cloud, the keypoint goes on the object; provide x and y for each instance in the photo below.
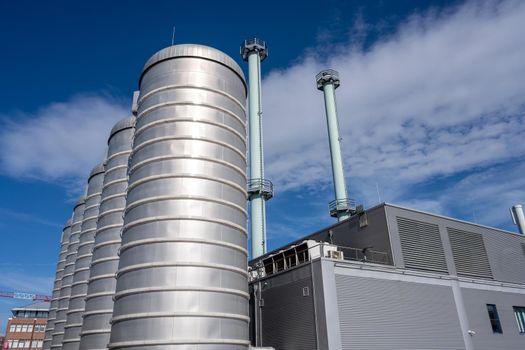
(62, 140)
(442, 95)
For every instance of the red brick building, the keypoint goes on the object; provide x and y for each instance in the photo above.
(25, 329)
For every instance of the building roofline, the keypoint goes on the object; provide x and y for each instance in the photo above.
(447, 218)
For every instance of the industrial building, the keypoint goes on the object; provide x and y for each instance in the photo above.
(393, 278)
(155, 254)
(25, 329)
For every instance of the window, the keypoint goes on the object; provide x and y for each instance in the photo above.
(21, 344)
(40, 344)
(519, 313)
(12, 328)
(15, 343)
(30, 328)
(24, 328)
(26, 345)
(18, 328)
(10, 343)
(34, 344)
(494, 318)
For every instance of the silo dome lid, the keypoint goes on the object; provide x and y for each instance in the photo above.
(80, 201)
(123, 124)
(193, 50)
(97, 170)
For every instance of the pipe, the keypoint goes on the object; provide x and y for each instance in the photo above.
(518, 217)
(328, 81)
(259, 189)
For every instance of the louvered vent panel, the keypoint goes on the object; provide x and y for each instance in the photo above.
(288, 316)
(421, 245)
(470, 255)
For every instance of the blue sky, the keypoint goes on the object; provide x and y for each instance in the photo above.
(431, 107)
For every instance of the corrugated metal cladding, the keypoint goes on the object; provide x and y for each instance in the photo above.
(421, 245)
(383, 315)
(476, 307)
(288, 316)
(505, 255)
(470, 255)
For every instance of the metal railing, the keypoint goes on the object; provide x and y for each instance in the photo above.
(260, 186)
(302, 253)
(346, 205)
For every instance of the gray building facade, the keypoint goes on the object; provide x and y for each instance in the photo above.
(392, 278)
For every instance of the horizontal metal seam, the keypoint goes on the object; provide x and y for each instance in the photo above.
(101, 294)
(103, 260)
(108, 227)
(189, 218)
(187, 157)
(177, 341)
(106, 243)
(143, 266)
(192, 120)
(96, 331)
(134, 291)
(77, 296)
(83, 256)
(113, 196)
(154, 140)
(94, 217)
(137, 203)
(186, 175)
(83, 244)
(189, 103)
(185, 240)
(88, 197)
(98, 312)
(173, 87)
(110, 211)
(115, 155)
(113, 182)
(142, 315)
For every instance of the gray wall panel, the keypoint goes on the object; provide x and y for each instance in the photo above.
(287, 316)
(476, 304)
(383, 314)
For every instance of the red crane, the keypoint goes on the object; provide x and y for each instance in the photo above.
(27, 296)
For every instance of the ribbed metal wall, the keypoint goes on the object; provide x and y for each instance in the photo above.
(50, 327)
(182, 281)
(470, 255)
(83, 261)
(288, 316)
(377, 314)
(96, 327)
(67, 276)
(421, 245)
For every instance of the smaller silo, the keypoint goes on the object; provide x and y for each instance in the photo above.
(67, 276)
(64, 241)
(83, 261)
(96, 327)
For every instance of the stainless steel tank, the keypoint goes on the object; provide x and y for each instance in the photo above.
(83, 261)
(101, 288)
(50, 327)
(182, 278)
(67, 276)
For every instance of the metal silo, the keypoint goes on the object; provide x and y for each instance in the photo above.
(182, 278)
(64, 241)
(96, 327)
(83, 261)
(67, 276)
